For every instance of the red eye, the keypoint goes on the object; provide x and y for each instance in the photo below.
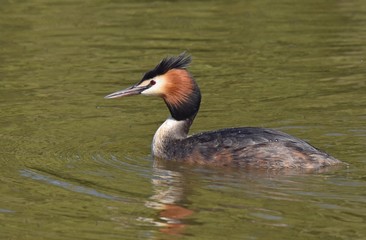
(152, 82)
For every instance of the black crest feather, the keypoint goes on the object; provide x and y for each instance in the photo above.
(181, 62)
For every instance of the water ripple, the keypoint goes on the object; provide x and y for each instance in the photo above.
(69, 186)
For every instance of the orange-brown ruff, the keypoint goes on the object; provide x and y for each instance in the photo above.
(247, 147)
(179, 88)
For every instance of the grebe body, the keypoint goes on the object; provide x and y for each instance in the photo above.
(245, 147)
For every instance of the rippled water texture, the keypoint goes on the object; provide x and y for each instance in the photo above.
(77, 166)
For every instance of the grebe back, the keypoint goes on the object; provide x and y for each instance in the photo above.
(246, 147)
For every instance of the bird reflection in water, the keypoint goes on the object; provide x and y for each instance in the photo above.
(169, 193)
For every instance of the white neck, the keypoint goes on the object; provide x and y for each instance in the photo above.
(167, 133)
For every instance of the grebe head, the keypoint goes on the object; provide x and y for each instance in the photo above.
(171, 81)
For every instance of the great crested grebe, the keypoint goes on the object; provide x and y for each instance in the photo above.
(246, 146)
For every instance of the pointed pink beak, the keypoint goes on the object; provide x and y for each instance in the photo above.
(130, 91)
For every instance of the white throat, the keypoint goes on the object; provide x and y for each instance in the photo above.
(166, 134)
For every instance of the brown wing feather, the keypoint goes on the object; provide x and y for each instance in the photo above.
(252, 147)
